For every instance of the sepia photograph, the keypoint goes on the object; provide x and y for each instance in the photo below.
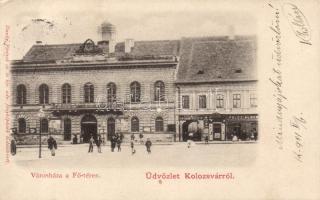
(182, 95)
(141, 99)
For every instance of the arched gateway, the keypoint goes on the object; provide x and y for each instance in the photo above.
(88, 127)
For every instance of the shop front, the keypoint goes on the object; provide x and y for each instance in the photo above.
(218, 127)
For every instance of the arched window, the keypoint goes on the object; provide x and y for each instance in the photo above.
(134, 124)
(66, 93)
(135, 91)
(111, 92)
(43, 94)
(44, 126)
(159, 124)
(22, 125)
(21, 94)
(159, 91)
(88, 93)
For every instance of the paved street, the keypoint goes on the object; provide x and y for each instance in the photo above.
(173, 155)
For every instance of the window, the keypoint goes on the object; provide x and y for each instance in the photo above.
(159, 124)
(220, 101)
(88, 93)
(253, 100)
(21, 94)
(44, 126)
(202, 101)
(111, 92)
(43, 94)
(185, 102)
(135, 91)
(22, 125)
(66, 93)
(134, 124)
(236, 100)
(159, 91)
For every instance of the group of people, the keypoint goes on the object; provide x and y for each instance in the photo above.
(116, 140)
(148, 143)
(97, 140)
(52, 145)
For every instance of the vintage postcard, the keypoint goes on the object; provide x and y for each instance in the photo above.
(159, 100)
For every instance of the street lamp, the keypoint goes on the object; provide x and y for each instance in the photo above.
(41, 115)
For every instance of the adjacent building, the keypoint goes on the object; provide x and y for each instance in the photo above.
(169, 90)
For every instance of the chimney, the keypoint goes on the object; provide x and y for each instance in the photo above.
(231, 35)
(108, 34)
(128, 44)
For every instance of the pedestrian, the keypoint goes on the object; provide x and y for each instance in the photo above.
(113, 141)
(13, 146)
(133, 151)
(206, 139)
(255, 134)
(91, 140)
(52, 145)
(121, 136)
(189, 143)
(140, 137)
(75, 139)
(132, 136)
(119, 141)
(98, 143)
(148, 145)
(81, 138)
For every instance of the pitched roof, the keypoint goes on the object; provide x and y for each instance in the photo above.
(39, 53)
(217, 59)
(50, 52)
(203, 59)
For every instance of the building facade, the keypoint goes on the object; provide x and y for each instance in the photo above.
(131, 87)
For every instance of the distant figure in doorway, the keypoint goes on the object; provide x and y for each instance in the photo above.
(133, 151)
(98, 143)
(234, 138)
(148, 145)
(255, 134)
(13, 146)
(141, 138)
(75, 139)
(91, 141)
(52, 145)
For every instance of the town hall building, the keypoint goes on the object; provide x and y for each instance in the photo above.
(169, 90)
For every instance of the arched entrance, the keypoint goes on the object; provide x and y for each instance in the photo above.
(190, 126)
(88, 127)
(185, 133)
(111, 126)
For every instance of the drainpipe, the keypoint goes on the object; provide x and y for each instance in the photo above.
(179, 113)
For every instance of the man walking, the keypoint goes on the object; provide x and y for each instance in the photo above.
(91, 145)
(52, 145)
(119, 141)
(98, 143)
(13, 146)
(133, 151)
(141, 138)
(148, 145)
